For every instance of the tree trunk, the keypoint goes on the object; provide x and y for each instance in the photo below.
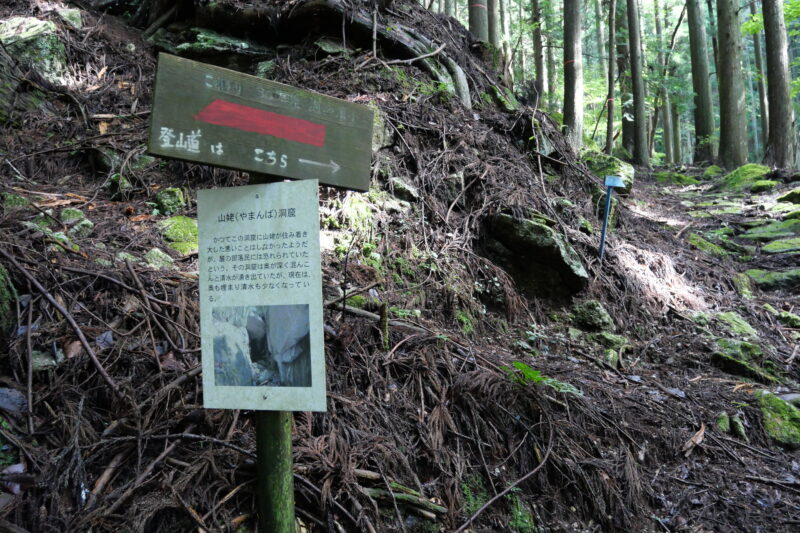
(732, 109)
(663, 94)
(714, 29)
(641, 154)
(612, 74)
(676, 135)
(705, 147)
(573, 73)
(780, 149)
(479, 20)
(449, 8)
(600, 38)
(493, 14)
(552, 73)
(623, 67)
(540, 78)
(762, 89)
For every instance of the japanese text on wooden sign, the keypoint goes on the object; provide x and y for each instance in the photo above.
(220, 117)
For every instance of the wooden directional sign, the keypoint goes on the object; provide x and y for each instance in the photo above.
(225, 118)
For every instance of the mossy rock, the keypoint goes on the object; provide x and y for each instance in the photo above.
(763, 186)
(69, 214)
(181, 234)
(82, 229)
(608, 340)
(121, 257)
(157, 258)
(206, 42)
(403, 190)
(792, 215)
(712, 172)
(119, 186)
(57, 236)
(675, 178)
(71, 16)
(35, 43)
(780, 246)
(792, 197)
(541, 260)
(781, 419)
(771, 280)
(170, 200)
(744, 285)
(723, 422)
(737, 325)
(382, 132)
(592, 316)
(775, 230)
(603, 165)
(11, 201)
(738, 357)
(706, 246)
(743, 177)
(784, 317)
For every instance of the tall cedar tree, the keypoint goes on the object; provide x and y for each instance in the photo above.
(780, 151)
(641, 153)
(762, 88)
(573, 73)
(612, 74)
(538, 49)
(479, 20)
(623, 67)
(732, 110)
(705, 147)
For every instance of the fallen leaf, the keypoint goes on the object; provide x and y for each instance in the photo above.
(140, 218)
(73, 349)
(696, 439)
(103, 127)
(102, 73)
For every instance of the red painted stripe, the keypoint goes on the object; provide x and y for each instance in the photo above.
(246, 118)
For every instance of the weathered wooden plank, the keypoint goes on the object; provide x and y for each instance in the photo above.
(221, 117)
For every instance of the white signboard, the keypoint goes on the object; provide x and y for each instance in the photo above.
(261, 297)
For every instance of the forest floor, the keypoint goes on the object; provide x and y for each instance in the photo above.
(598, 421)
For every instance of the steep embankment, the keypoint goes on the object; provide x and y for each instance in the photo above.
(622, 396)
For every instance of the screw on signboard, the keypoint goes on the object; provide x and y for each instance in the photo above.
(611, 182)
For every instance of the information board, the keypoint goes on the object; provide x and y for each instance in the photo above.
(261, 297)
(225, 118)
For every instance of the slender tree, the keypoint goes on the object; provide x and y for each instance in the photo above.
(540, 79)
(762, 89)
(479, 20)
(493, 14)
(551, 75)
(662, 98)
(623, 67)
(573, 73)
(612, 74)
(450, 8)
(780, 149)
(641, 154)
(705, 147)
(600, 39)
(676, 135)
(732, 111)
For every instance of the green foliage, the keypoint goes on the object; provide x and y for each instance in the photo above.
(521, 518)
(7, 458)
(524, 375)
(474, 492)
(465, 322)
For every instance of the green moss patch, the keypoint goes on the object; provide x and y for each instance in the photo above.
(606, 165)
(781, 419)
(743, 285)
(180, 232)
(706, 246)
(743, 177)
(780, 246)
(170, 200)
(763, 186)
(712, 172)
(738, 357)
(773, 231)
(770, 280)
(737, 325)
(675, 178)
(14, 200)
(591, 315)
(69, 214)
(609, 340)
(792, 197)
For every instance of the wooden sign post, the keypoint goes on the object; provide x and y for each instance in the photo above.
(260, 278)
(611, 182)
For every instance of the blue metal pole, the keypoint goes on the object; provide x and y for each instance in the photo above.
(605, 222)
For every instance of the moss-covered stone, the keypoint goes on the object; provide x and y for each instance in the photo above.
(674, 178)
(771, 280)
(737, 325)
(121, 257)
(784, 317)
(706, 246)
(591, 315)
(743, 285)
(11, 201)
(180, 232)
(69, 214)
(723, 422)
(609, 340)
(157, 258)
(404, 190)
(781, 419)
(170, 200)
(71, 16)
(739, 357)
(712, 172)
(207, 42)
(606, 165)
(763, 186)
(792, 215)
(82, 229)
(792, 197)
(382, 132)
(611, 357)
(35, 43)
(780, 246)
(119, 186)
(541, 261)
(775, 230)
(743, 177)
(700, 318)
(59, 237)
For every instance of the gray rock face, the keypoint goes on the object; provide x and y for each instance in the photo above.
(539, 259)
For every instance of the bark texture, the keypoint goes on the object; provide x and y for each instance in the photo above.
(641, 153)
(780, 150)
(573, 73)
(705, 146)
(732, 103)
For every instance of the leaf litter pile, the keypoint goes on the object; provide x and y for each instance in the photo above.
(457, 399)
